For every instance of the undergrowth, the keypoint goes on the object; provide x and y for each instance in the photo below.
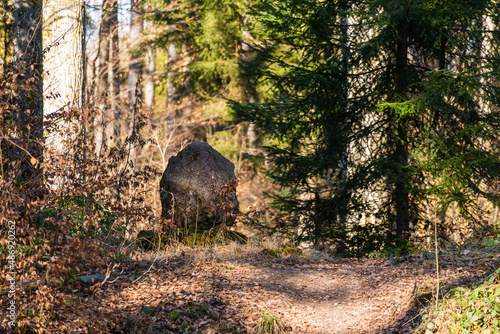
(474, 309)
(63, 212)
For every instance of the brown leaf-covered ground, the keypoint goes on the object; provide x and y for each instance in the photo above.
(229, 294)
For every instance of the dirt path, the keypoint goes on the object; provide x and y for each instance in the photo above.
(320, 297)
(343, 298)
(368, 296)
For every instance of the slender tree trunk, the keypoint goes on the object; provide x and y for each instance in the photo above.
(114, 73)
(115, 57)
(401, 194)
(136, 59)
(246, 53)
(135, 71)
(149, 86)
(102, 76)
(346, 55)
(7, 33)
(171, 91)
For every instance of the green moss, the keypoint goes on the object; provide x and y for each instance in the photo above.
(282, 252)
(195, 239)
(291, 250)
(214, 236)
(271, 252)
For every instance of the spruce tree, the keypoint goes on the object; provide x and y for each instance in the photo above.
(376, 107)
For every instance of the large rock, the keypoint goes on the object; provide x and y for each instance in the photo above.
(199, 188)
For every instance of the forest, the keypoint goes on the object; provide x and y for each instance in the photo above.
(256, 166)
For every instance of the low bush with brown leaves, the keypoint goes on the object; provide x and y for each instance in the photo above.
(63, 212)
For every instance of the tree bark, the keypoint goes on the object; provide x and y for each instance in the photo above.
(114, 129)
(149, 86)
(114, 58)
(401, 194)
(63, 72)
(28, 57)
(7, 28)
(171, 89)
(135, 71)
(103, 77)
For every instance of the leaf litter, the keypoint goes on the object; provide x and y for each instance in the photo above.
(318, 296)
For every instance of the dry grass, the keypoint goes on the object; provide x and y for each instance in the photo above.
(254, 251)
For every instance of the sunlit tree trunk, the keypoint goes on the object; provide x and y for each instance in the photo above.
(115, 60)
(114, 128)
(63, 73)
(6, 33)
(171, 89)
(102, 77)
(149, 85)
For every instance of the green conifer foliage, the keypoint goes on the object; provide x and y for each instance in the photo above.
(376, 107)
(208, 36)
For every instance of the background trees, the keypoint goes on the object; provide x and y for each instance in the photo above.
(384, 112)
(203, 41)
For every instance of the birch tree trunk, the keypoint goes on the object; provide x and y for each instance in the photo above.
(63, 40)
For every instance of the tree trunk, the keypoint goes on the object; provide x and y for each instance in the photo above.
(6, 26)
(135, 71)
(346, 55)
(28, 56)
(63, 72)
(401, 194)
(246, 53)
(171, 89)
(149, 86)
(114, 129)
(102, 76)
(114, 58)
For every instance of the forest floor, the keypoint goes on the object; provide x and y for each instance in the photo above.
(202, 291)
